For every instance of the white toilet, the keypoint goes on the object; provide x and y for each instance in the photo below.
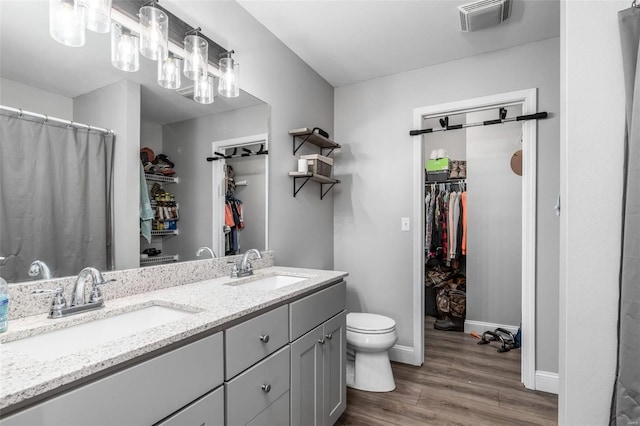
(369, 338)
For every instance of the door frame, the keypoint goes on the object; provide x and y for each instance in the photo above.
(217, 178)
(528, 100)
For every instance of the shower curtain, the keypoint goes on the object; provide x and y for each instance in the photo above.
(625, 405)
(55, 197)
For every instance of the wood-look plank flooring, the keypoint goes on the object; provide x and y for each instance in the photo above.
(460, 383)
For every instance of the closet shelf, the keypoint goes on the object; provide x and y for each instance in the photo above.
(308, 136)
(161, 178)
(159, 259)
(307, 176)
(157, 233)
(433, 182)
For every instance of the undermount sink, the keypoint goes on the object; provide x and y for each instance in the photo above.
(272, 282)
(56, 343)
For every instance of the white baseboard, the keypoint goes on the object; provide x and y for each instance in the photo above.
(547, 382)
(402, 354)
(480, 327)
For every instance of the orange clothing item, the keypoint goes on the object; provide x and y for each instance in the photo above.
(228, 216)
(464, 222)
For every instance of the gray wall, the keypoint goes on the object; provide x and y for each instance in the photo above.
(494, 219)
(593, 122)
(188, 144)
(29, 98)
(373, 119)
(117, 107)
(298, 97)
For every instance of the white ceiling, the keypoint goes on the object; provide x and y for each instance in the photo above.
(347, 41)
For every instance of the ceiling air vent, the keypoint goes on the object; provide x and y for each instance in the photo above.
(483, 14)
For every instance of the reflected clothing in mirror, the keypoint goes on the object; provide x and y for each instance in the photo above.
(233, 223)
(55, 197)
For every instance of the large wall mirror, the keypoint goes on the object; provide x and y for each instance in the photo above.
(79, 84)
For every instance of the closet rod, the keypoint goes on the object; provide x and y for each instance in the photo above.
(220, 156)
(536, 116)
(46, 119)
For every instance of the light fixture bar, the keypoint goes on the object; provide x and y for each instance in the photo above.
(125, 12)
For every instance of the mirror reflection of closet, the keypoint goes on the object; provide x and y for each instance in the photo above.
(41, 75)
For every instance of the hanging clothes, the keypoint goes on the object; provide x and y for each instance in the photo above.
(234, 222)
(445, 222)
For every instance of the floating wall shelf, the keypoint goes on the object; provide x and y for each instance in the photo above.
(308, 136)
(322, 180)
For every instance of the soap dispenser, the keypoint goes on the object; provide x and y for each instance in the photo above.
(4, 303)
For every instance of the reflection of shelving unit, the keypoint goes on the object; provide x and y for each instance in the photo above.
(322, 180)
(158, 259)
(306, 135)
(161, 178)
(164, 233)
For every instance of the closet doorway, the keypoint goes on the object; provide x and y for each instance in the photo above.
(250, 163)
(514, 101)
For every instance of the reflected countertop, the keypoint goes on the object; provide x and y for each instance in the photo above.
(215, 305)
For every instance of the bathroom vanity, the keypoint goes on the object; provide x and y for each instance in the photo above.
(270, 353)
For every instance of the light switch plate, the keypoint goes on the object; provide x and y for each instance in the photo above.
(405, 224)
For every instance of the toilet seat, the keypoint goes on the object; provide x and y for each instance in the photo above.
(364, 323)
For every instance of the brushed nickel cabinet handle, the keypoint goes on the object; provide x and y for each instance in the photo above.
(266, 388)
(329, 336)
(264, 338)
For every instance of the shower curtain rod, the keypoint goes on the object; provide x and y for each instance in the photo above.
(536, 116)
(47, 118)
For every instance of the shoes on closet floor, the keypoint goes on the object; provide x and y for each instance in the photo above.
(448, 324)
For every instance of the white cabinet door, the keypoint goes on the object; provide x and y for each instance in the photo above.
(334, 362)
(306, 379)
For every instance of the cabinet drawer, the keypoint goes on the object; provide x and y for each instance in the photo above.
(142, 394)
(250, 341)
(257, 388)
(277, 414)
(206, 411)
(308, 312)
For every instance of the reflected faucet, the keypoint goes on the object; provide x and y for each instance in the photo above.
(245, 265)
(203, 249)
(39, 268)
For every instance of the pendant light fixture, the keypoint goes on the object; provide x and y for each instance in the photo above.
(124, 49)
(229, 83)
(98, 15)
(197, 57)
(154, 32)
(170, 72)
(67, 22)
(203, 90)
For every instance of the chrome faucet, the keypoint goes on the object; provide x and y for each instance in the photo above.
(39, 268)
(245, 265)
(59, 307)
(207, 249)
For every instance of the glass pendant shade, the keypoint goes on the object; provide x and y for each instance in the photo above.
(170, 72)
(154, 33)
(229, 84)
(98, 15)
(67, 22)
(197, 58)
(204, 90)
(124, 49)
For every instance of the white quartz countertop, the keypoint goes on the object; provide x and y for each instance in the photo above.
(215, 303)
